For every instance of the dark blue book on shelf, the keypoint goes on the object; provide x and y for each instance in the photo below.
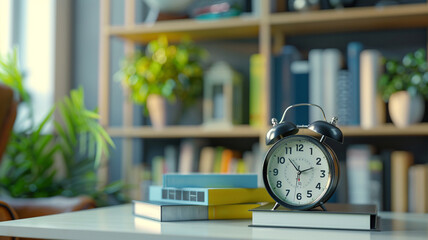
(299, 92)
(353, 59)
(281, 80)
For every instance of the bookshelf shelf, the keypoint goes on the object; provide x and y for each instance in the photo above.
(351, 19)
(337, 20)
(185, 132)
(251, 132)
(238, 27)
(387, 130)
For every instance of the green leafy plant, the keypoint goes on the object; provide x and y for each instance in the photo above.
(172, 71)
(11, 75)
(409, 74)
(30, 164)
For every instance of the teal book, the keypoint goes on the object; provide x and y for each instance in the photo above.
(197, 180)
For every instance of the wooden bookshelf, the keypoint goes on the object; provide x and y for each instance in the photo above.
(324, 21)
(271, 30)
(351, 19)
(241, 131)
(245, 131)
(238, 27)
(387, 130)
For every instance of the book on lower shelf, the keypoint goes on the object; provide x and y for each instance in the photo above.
(337, 216)
(208, 196)
(167, 212)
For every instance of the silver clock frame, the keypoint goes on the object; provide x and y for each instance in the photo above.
(334, 173)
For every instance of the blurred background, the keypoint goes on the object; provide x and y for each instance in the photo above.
(112, 94)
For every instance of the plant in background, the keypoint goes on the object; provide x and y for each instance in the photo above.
(30, 165)
(172, 71)
(11, 75)
(408, 75)
(29, 168)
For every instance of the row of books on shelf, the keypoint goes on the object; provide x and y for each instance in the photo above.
(344, 84)
(193, 156)
(188, 197)
(390, 179)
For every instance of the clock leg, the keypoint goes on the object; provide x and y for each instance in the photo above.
(322, 206)
(275, 207)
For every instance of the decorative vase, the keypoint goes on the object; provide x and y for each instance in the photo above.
(162, 112)
(406, 109)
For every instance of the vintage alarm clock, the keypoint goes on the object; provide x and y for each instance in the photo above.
(301, 172)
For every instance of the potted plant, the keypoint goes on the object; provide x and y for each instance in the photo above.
(29, 168)
(161, 73)
(404, 85)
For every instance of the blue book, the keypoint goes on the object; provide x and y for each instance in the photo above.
(299, 92)
(198, 180)
(208, 196)
(281, 80)
(353, 59)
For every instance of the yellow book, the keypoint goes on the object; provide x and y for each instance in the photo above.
(208, 196)
(166, 212)
(232, 211)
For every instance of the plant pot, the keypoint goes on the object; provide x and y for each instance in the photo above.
(406, 109)
(162, 112)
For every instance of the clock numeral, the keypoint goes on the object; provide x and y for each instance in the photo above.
(312, 150)
(287, 192)
(318, 161)
(299, 196)
(322, 173)
(318, 186)
(281, 160)
(309, 194)
(275, 171)
(278, 184)
(299, 147)
(288, 150)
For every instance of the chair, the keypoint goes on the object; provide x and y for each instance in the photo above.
(13, 208)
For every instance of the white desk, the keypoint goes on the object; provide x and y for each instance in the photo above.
(119, 223)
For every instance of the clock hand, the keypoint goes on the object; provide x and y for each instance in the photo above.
(306, 169)
(294, 165)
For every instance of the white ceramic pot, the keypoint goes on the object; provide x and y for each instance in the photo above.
(162, 112)
(406, 109)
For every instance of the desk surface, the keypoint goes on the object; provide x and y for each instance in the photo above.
(119, 223)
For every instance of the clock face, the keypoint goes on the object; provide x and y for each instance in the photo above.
(297, 171)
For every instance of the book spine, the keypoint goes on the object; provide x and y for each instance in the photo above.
(316, 85)
(232, 211)
(400, 163)
(208, 196)
(210, 180)
(257, 65)
(206, 160)
(332, 60)
(353, 56)
(343, 100)
(357, 165)
(281, 85)
(300, 88)
(418, 188)
(158, 169)
(372, 109)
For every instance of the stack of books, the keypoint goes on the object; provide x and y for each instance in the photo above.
(202, 197)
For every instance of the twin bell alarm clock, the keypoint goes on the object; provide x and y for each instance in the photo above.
(301, 172)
